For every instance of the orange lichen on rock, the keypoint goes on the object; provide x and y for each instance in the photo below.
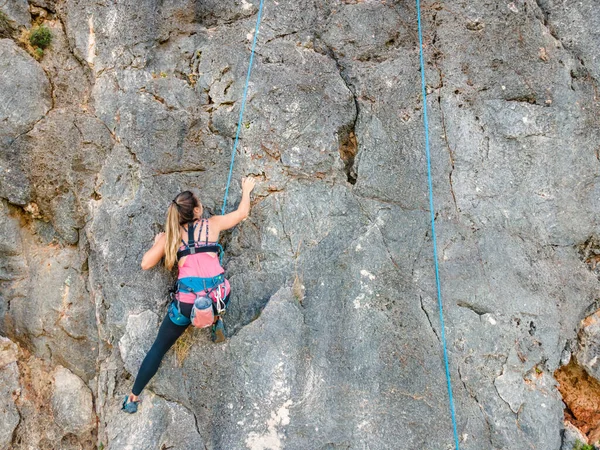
(592, 319)
(581, 394)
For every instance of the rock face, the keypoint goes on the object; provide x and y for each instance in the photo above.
(42, 407)
(9, 388)
(72, 403)
(334, 336)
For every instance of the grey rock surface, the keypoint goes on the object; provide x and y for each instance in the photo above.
(72, 403)
(588, 349)
(25, 98)
(54, 318)
(334, 336)
(26, 93)
(42, 406)
(158, 424)
(571, 437)
(576, 28)
(137, 339)
(9, 390)
(16, 13)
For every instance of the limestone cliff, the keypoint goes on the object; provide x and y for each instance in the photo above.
(334, 339)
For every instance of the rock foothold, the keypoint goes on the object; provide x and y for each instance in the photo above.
(72, 403)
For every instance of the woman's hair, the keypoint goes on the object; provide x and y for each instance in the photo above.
(181, 211)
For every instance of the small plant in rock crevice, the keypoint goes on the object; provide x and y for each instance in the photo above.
(40, 37)
(36, 40)
(183, 345)
(581, 446)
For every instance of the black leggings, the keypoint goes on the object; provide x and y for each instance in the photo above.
(168, 333)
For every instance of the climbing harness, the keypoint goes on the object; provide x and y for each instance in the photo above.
(435, 255)
(210, 292)
(191, 247)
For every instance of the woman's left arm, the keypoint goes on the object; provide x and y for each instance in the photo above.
(154, 255)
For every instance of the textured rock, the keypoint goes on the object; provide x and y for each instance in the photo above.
(55, 318)
(17, 13)
(47, 419)
(581, 394)
(571, 436)
(9, 390)
(589, 345)
(158, 423)
(137, 340)
(576, 28)
(72, 403)
(146, 99)
(42, 407)
(63, 187)
(24, 100)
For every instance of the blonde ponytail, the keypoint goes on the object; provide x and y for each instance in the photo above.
(172, 235)
(181, 211)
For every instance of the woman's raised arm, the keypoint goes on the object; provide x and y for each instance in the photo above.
(230, 220)
(154, 255)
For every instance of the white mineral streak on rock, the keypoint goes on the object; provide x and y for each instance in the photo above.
(91, 54)
(366, 273)
(271, 439)
(111, 21)
(358, 299)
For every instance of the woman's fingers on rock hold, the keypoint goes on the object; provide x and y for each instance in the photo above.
(248, 183)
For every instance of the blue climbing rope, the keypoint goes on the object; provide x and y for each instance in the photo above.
(239, 125)
(435, 255)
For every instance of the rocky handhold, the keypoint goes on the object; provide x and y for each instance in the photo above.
(157, 424)
(24, 99)
(572, 435)
(16, 14)
(61, 326)
(137, 340)
(25, 95)
(581, 394)
(588, 353)
(9, 391)
(72, 403)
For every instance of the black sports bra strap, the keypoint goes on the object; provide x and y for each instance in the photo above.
(191, 228)
(206, 240)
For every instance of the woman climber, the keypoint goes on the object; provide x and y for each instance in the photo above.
(197, 262)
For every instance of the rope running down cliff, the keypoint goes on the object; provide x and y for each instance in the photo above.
(435, 255)
(244, 95)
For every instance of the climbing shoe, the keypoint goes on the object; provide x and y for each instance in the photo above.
(129, 406)
(218, 331)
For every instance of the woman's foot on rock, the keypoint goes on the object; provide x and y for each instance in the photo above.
(130, 405)
(218, 331)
